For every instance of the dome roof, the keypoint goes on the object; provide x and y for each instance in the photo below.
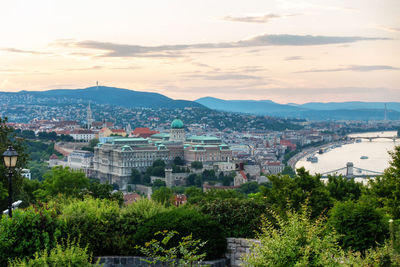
(177, 124)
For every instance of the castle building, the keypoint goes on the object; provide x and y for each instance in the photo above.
(115, 158)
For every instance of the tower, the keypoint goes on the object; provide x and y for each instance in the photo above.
(89, 119)
(177, 132)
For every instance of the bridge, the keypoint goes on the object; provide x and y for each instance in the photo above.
(370, 138)
(348, 171)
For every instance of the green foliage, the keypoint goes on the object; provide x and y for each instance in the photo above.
(342, 189)
(69, 255)
(239, 217)
(194, 194)
(288, 171)
(296, 190)
(163, 195)
(386, 189)
(94, 222)
(196, 165)
(29, 231)
(249, 188)
(136, 177)
(297, 241)
(178, 161)
(7, 138)
(158, 183)
(62, 181)
(359, 224)
(184, 254)
(185, 221)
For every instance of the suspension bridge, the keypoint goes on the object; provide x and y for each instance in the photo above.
(370, 138)
(352, 172)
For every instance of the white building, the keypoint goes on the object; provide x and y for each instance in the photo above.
(82, 135)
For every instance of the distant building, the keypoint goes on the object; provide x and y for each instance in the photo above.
(82, 135)
(143, 132)
(81, 160)
(273, 167)
(114, 159)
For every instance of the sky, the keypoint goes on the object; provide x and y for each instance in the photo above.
(288, 51)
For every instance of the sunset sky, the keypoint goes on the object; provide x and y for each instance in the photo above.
(283, 50)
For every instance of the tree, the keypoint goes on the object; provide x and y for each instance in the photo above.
(359, 224)
(7, 138)
(288, 171)
(136, 177)
(296, 190)
(248, 188)
(342, 189)
(62, 180)
(178, 161)
(386, 188)
(159, 163)
(163, 195)
(158, 183)
(196, 165)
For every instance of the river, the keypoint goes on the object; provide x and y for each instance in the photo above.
(336, 158)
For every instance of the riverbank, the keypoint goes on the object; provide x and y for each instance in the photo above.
(311, 151)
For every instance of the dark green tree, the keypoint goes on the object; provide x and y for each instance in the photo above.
(136, 177)
(359, 224)
(62, 180)
(178, 161)
(342, 188)
(386, 188)
(7, 138)
(196, 165)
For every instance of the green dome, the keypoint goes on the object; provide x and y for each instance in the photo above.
(177, 124)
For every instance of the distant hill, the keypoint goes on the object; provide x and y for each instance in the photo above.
(312, 111)
(248, 106)
(113, 96)
(351, 105)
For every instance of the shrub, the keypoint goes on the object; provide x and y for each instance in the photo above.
(131, 217)
(239, 217)
(28, 231)
(185, 221)
(59, 256)
(360, 225)
(95, 223)
(297, 241)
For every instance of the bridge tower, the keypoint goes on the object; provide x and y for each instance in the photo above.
(349, 170)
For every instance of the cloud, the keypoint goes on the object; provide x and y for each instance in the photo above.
(388, 29)
(85, 68)
(294, 58)
(359, 68)
(226, 76)
(15, 50)
(252, 19)
(175, 50)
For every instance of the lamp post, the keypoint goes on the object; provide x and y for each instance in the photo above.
(10, 157)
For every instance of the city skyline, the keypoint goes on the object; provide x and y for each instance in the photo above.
(286, 51)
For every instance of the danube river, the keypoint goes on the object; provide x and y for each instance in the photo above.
(336, 158)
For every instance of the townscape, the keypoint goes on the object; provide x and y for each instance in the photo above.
(199, 133)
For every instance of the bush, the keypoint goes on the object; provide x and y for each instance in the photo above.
(239, 217)
(297, 241)
(69, 256)
(95, 223)
(360, 225)
(185, 221)
(131, 217)
(28, 231)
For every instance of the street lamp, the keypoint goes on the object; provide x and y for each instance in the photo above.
(10, 157)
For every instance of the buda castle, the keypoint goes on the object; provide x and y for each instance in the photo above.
(115, 157)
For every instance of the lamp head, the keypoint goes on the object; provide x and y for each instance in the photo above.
(10, 157)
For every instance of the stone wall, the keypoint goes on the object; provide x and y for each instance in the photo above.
(237, 248)
(128, 261)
